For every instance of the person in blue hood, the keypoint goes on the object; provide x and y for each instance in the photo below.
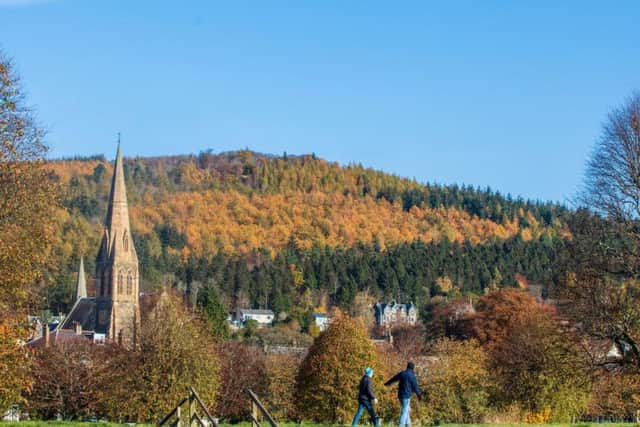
(366, 399)
(407, 386)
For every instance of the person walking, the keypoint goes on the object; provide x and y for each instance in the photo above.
(366, 399)
(407, 385)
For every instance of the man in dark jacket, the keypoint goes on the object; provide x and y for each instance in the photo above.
(366, 398)
(407, 385)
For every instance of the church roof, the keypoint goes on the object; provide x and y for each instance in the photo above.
(81, 284)
(59, 336)
(86, 312)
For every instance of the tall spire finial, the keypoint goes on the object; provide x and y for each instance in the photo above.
(118, 138)
(81, 286)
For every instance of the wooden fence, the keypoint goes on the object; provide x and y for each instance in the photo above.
(178, 418)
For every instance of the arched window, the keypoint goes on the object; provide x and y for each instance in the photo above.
(129, 283)
(120, 278)
(125, 241)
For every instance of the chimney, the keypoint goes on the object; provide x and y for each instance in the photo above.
(78, 328)
(46, 333)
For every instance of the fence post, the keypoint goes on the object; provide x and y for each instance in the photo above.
(192, 409)
(178, 423)
(254, 414)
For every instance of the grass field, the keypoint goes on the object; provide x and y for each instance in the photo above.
(86, 424)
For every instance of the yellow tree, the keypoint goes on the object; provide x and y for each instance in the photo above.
(27, 199)
(175, 352)
(327, 380)
(457, 382)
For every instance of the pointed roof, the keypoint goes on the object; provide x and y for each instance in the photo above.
(118, 196)
(81, 284)
(117, 221)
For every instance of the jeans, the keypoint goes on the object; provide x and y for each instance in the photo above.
(366, 404)
(405, 418)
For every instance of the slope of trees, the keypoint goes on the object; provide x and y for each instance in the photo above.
(307, 224)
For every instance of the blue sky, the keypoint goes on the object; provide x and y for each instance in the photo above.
(508, 94)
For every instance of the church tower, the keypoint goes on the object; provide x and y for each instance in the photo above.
(117, 268)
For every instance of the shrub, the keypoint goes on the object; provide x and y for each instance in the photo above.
(327, 381)
(539, 364)
(281, 376)
(175, 352)
(456, 382)
(66, 379)
(243, 366)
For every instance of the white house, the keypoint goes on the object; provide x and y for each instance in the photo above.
(394, 313)
(263, 317)
(321, 320)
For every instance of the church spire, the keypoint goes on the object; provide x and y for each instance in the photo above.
(118, 211)
(81, 285)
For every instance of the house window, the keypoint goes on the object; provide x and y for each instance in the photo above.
(120, 282)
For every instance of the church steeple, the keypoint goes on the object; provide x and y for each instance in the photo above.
(81, 284)
(117, 263)
(117, 211)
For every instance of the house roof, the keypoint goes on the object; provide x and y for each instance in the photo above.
(256, 312)
(59, 336)
(395, 306)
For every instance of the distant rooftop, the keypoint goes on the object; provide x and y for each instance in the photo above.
(256, 311)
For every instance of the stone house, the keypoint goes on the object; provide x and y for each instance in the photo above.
(393, 313)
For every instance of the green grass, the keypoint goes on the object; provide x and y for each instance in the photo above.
(101, 424)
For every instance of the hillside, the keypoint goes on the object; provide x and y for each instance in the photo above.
(262, 229)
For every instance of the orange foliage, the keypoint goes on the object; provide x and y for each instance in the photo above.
(239, 223)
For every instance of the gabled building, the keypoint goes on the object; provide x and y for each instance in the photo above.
(263, 317)
(389, 314)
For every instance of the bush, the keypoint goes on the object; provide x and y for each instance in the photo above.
(328, 378)
(456, 382)
(175, 353)
(243, 366)
(539, 364)
(281, 376)
(67, 379)
(615, 394)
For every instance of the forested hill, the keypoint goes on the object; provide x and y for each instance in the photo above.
(309, 226)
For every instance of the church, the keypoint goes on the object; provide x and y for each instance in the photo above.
(113, 314)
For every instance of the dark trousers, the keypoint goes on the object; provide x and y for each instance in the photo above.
(365, 404)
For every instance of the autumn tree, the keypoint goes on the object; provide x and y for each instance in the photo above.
(327, 381)
(281, 376)
(600, 285)
(601, 262)
(615, 394)
(538, 363)
(242, 366)
(409, 341)
(174, 353)
(457, 382)
(27, 198)
(451, 320)
(69, 378)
